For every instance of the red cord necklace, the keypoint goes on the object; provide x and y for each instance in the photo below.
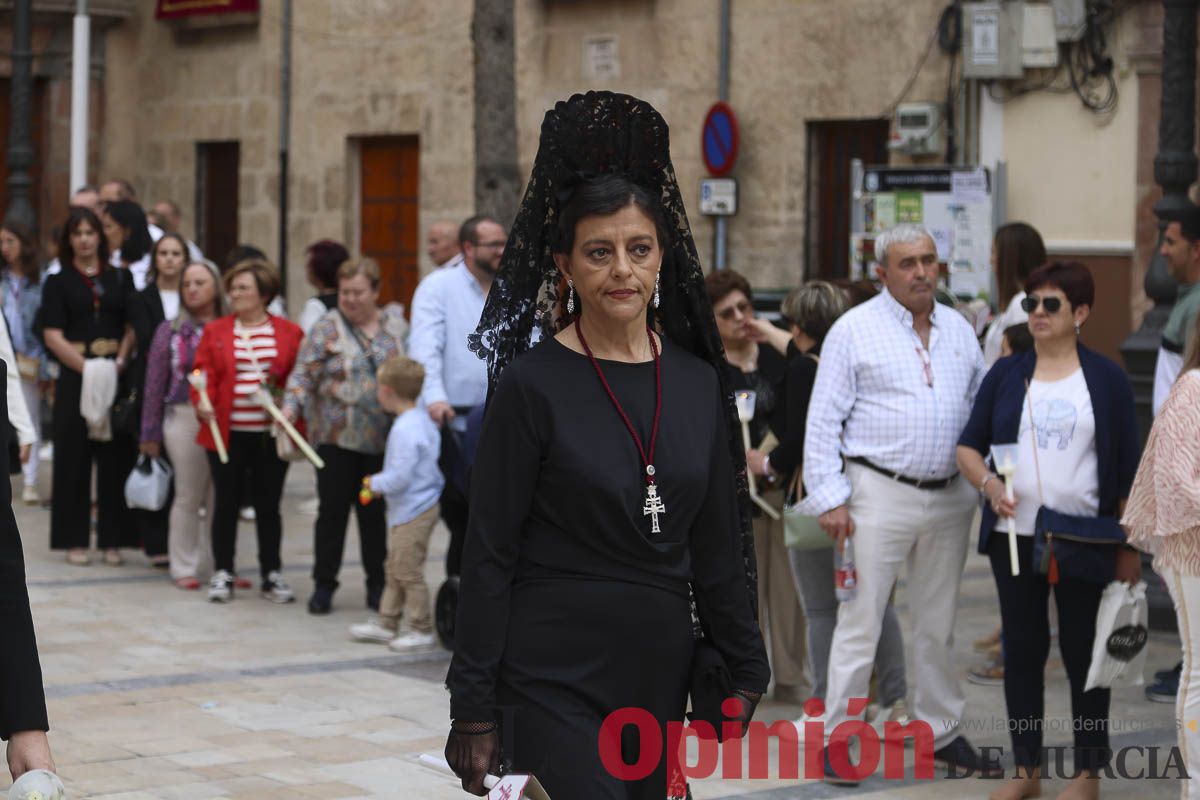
(654, 506)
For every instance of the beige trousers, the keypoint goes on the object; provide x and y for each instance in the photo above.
(188, 542)
(779, 611)
(405, 593)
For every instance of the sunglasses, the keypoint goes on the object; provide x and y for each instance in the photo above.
(1051, 304)
(743, 307)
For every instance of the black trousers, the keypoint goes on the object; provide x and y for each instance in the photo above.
(453, 502)
(1024, 604)
(253, 454)
(74, 455)
(337, 490)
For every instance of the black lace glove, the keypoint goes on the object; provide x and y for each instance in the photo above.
(748, 701)
(472, 751)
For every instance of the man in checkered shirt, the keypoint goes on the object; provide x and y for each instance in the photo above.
(897, 379)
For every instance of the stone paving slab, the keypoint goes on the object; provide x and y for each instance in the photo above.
(155, 693)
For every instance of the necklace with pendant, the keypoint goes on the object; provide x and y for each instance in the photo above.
(654, 506)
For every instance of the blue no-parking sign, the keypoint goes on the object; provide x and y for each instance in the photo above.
(719, 139)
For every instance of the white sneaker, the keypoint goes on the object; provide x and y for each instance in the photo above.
(897, 712)
(372, 631)
(247, 513)
(220, 588)
(412, 641)
(30, 496)
(275, 589)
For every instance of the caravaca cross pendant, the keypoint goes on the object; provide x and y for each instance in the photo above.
(654, 504)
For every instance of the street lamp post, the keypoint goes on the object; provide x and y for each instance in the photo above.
(20, 145)
(1175, 171)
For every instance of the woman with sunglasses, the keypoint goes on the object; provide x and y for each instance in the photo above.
(762, 369)
(1077, 456)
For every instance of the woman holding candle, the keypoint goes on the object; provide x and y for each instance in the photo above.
(1084, 430)
(334, 379)
(168, 421)
(238, 355)
(761, 369)
(86, 311)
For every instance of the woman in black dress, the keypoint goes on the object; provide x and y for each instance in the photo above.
(157, 303)
(606, 479)
(86, 314)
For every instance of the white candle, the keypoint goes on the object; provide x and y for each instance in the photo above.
(1006, 467)
(199, 382)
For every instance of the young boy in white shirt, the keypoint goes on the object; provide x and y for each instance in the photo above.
(411, 483)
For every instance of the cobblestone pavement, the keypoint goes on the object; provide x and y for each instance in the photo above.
(155, 693)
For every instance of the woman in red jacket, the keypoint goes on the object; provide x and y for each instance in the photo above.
(238, 354)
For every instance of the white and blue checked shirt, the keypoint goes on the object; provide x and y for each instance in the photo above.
(445, 310)
(876, 398)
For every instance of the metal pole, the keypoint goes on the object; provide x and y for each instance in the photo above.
(720, 237)
(285, 135)
(81, 57)
(20, 147)
(1175, 169)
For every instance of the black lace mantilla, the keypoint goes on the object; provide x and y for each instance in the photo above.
(594, 134)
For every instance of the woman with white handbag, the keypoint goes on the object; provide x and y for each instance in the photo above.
(168, 423)
(811, 311)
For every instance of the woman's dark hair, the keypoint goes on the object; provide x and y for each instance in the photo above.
(240, 253)
(324, 258)
(1071, 277)
(27, 261)
(598, 197)
(857, 292)
(1019, 251)
(152, 273)
(1019, 338)
(76, 217)
(723, 282)
(130, 216)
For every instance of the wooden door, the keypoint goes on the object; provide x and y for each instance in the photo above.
(388, 223)
(217, 165)
(831, 147)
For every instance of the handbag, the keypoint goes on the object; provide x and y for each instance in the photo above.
(1081, 548)
(285, 448)
(126, 413)
(148, 484)
(801, 531)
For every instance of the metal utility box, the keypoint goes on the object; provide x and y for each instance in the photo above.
(992, 39)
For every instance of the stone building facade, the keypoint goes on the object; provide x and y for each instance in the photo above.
(382, 101)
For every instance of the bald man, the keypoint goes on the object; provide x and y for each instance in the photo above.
(441, 244)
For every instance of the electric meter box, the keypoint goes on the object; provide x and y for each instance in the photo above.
(992, 39)
(917, 129)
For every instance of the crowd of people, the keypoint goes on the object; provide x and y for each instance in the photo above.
(616, 483)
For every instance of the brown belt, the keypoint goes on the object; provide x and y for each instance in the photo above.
(101, 348)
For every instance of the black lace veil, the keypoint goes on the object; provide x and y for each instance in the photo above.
(589, 135)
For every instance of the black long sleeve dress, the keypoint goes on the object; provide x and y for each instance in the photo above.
(570, 608)
(22, 700)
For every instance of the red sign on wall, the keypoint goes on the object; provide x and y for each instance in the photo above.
(178, 9)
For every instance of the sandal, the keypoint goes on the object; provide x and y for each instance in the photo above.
(187, 584)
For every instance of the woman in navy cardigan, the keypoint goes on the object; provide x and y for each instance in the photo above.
(1085, 434)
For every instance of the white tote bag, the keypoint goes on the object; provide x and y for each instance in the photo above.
(148, 484)
(1119, 649)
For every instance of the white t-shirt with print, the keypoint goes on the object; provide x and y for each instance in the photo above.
(1065, 434)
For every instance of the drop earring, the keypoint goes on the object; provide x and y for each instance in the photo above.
(657, 292)
(1077, 330)
(570, 297)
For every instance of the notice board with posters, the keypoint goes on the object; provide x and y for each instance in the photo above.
(953, 203)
